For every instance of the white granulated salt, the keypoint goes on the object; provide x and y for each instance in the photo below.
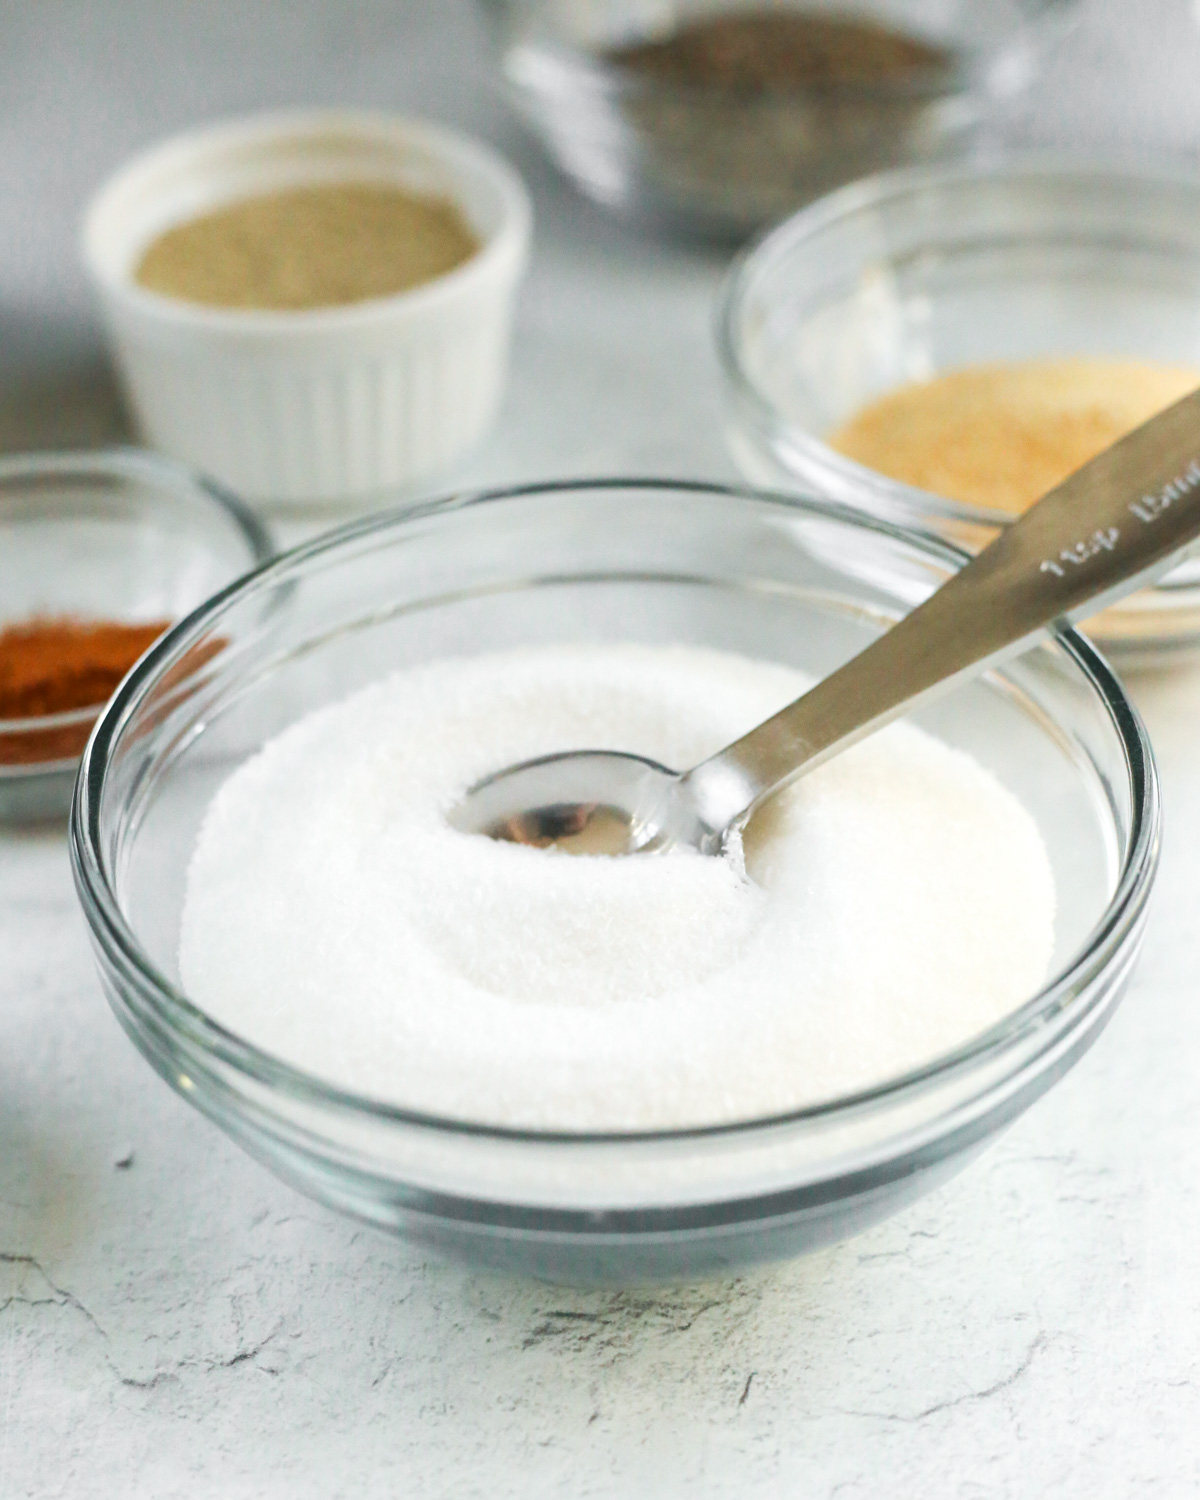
(892, 904)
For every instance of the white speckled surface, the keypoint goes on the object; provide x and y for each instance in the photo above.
(173, 1322)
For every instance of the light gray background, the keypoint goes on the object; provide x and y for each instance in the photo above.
(185, 1326)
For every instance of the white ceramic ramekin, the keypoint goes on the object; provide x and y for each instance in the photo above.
(328, 404)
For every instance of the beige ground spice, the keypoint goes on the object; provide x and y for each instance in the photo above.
(314, 246)
(1002, 435)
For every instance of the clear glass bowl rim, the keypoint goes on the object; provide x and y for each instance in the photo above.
(165, 474)
(187, 1024)
(901, 502)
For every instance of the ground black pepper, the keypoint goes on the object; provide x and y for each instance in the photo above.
(737, 118)
(780, 50)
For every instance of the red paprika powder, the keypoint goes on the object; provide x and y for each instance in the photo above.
(59, 666)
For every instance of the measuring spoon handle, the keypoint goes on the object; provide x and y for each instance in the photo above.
(1091, 540)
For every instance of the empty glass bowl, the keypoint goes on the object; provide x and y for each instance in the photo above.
(720, 118)
(796, 581)
(915, 273)
(116, 536)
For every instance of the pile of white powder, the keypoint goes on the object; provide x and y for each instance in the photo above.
(893, 904)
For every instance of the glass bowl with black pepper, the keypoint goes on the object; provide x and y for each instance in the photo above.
(715, 119)
(941, 345)
(99, 553)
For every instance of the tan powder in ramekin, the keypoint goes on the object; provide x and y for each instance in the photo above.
(313, 246)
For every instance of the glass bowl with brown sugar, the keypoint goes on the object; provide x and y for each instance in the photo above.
(941, 345)
(99, 554)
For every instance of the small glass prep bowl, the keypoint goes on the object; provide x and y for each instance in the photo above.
(793, 580)
(725, 160)
(915, 273)
(117, 535)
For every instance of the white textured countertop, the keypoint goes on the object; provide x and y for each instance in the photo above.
(174, 1322)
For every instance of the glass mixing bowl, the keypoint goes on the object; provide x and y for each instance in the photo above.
(914, 273)
(792, 580)
(726, 156)
(119, 535)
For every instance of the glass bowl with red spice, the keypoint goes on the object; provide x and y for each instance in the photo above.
(99, 554)
(716, 117)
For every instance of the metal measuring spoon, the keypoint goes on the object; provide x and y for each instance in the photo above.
(1091, 540)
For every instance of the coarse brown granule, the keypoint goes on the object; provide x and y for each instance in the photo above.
(1002, 435)
(782, 49)
(306, 247)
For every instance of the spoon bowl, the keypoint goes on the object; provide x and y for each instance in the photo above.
(583, 802)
